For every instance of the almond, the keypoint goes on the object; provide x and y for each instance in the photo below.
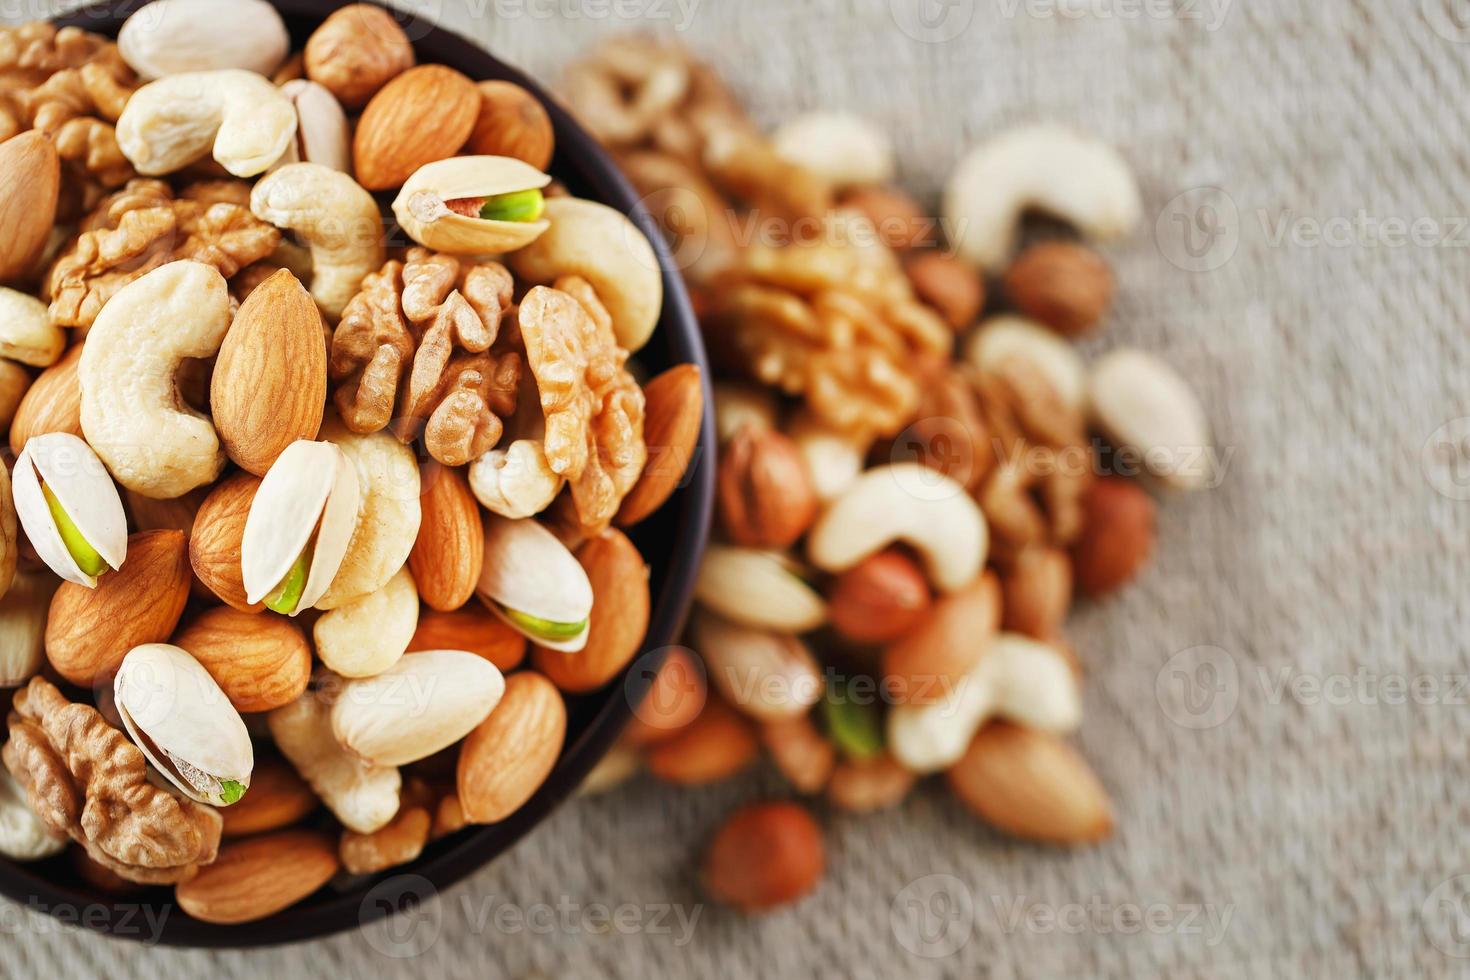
(425, 114)
(715, 746)
(450, 550)
(27, 201)
(512, 123)
(1064, 285)
(897, 218)
(936, 656)
(674, 412)
(473, 629)
(1031, 784)
(214, 546)
(89, 631)
(1117, 535)
(270, 381)
(1038, 591)
(260, 662)
(880, 599)
(506, 759)
(948, 284)
(674, 700)
(277, 798)
(259, 876)
(764, 855)
(619, 617)
(53, 403)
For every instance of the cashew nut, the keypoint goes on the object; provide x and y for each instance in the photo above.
(841, 148)
(599, 244)
(737, 404)
(27, 334)
(242, 117)
(367, 636)
(904, 502)
(1001, 338)
(1043, 167)
(516, 481)
(336, 217)
(833, 459)
(362, 795)
(1141, 403)
(132, 412)
(1016, 678)
(171, 36)
(760, 589)
(24, 836)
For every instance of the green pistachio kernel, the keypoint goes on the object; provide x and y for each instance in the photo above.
(545, 629)
(288, 594)
(853, 721)
(82, 553)
(515, 206)
(230, 791)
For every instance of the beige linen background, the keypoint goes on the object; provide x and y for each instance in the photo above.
(1291, 799)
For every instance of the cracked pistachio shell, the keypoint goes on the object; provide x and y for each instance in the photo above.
(184, 723)
(527, 570)
(84, 489)
(422, 213)
(311, 488)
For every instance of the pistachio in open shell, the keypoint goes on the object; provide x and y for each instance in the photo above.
(70, 508)
(184, 723)
(474, 205)
(535, 584)
(299, 526)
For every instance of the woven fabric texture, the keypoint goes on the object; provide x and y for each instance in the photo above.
(1277, 708)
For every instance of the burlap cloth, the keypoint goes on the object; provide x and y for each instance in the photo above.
(1307, 820)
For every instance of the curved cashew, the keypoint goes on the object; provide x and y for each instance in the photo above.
(737, 404)
(516, 481)
(368, 635)
(241, 116)
(1046, 167)
(1000, 338)
(1016, 678)
(599, 244)
(904, 502)
(841, 148)
(132, 412)
(338, 219)
(759, 589)
(24, 836)
(27, 334)
(833, 459)
(362, 795)
(1141, 403)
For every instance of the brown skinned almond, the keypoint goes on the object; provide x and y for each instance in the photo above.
(270, 381)
(450, 550)
(89, 631)
(506, 759)
(278, 797)
(715, 746)
(675, 409)
(259, 876)
(473, 629)
(27, 201)
(619, 617)
(214, 547)
(1031, 784)
(53, 403)
(425, 114)
(260, 662)
(941, 650)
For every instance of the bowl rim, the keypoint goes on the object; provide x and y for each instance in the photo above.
(404, 888)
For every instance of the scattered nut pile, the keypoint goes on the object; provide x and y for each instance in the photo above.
(910, 494)
(290, 508)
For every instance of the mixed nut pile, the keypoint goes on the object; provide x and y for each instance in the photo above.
(291, 508)
(910, 494)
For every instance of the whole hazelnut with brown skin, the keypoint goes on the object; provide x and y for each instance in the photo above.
(1037, 592)
(356, 51)
(1117, 535)
(765, 855)
(512, 123)
(1064, 285)
(948, 284)
(879, 599)
(763, 490)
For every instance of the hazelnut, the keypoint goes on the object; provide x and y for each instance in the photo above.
(765, 855)
(764, 492)
(1064, 285)
(879, 599)
(896, 216)
(948, 284)
(356, 51)
(1117, 535)
(1037, 591)
(512, 123)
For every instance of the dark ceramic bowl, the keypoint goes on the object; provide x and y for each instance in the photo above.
(672, 541)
